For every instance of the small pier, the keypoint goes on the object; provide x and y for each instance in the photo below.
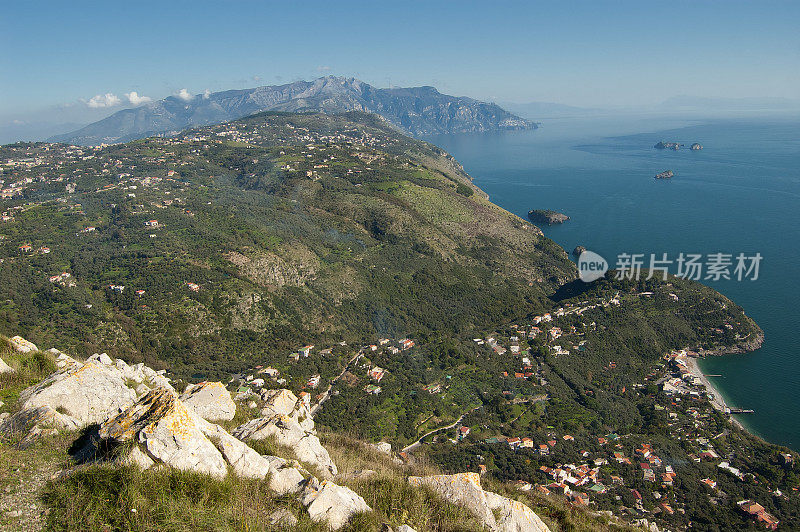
(741, 411)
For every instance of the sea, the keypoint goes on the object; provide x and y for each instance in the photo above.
(740, 194)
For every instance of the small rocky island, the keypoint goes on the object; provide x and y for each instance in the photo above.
(578, 250)
(547, 216)
(677, 146)
(668, 145)
(666, 174)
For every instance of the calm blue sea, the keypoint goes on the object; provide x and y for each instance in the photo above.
(741, 193)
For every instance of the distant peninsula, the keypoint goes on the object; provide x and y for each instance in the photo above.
(418, 111)
(547, 216)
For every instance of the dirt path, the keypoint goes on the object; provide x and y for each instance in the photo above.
(23, 475)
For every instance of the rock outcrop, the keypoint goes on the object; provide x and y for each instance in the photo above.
(547, 216)
(284, 477)
(62, 359)
(285, 403)
(164, 430)
(495, 511)
(5, 368)
(286, 431)
(578, 250)
(21, 345)
(32, 422)
(666, 174)
(332, 503)
(209, 400)
(88, 392)
(383, 447)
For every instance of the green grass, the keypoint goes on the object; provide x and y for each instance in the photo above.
(104, 497)
(29, 369)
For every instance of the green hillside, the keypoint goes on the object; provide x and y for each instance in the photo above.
(294, 228)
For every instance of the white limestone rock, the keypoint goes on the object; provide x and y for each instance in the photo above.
(282, 402)
(384, 447)
(31, 421)
(285, 403)
(282, 518)
(88, 392)
(288, 432)
(333, 503)
(283, 477)
(246, 462)
(62, 359)
(497, 513)
(21, 345)
(209, 400)
(167, 432)
(5, 368)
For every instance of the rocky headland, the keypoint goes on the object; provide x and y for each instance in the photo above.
(547, 216)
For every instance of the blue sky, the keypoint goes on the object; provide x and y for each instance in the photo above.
(58, 54)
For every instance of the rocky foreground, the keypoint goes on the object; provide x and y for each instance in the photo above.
(132, 415)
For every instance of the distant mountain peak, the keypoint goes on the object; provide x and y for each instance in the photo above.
(419, 111)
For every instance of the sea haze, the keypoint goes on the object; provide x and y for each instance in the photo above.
(741, 193)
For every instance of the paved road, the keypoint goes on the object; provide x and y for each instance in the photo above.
(412, 446)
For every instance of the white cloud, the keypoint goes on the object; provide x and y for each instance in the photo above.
(206, 93)
(104, 100)
(323, 68)
(136, 99)
(184, 95)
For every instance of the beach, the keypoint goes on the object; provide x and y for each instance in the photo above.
(715, 398)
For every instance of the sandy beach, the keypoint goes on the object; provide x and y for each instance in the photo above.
(716, 398)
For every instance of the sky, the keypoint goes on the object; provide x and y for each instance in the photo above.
(79, 61)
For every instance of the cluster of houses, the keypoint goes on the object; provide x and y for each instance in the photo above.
(42, 164)
(27, 248)
(64, 279)
(544, 326)
(758, 513)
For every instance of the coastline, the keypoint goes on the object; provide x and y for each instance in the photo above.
(712, 392)
(714, 397)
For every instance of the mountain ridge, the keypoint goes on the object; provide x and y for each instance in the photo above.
(418, 111)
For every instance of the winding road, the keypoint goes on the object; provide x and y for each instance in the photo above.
(412, 446)
(327, 393)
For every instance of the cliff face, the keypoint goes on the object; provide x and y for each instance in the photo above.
(417, 110)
